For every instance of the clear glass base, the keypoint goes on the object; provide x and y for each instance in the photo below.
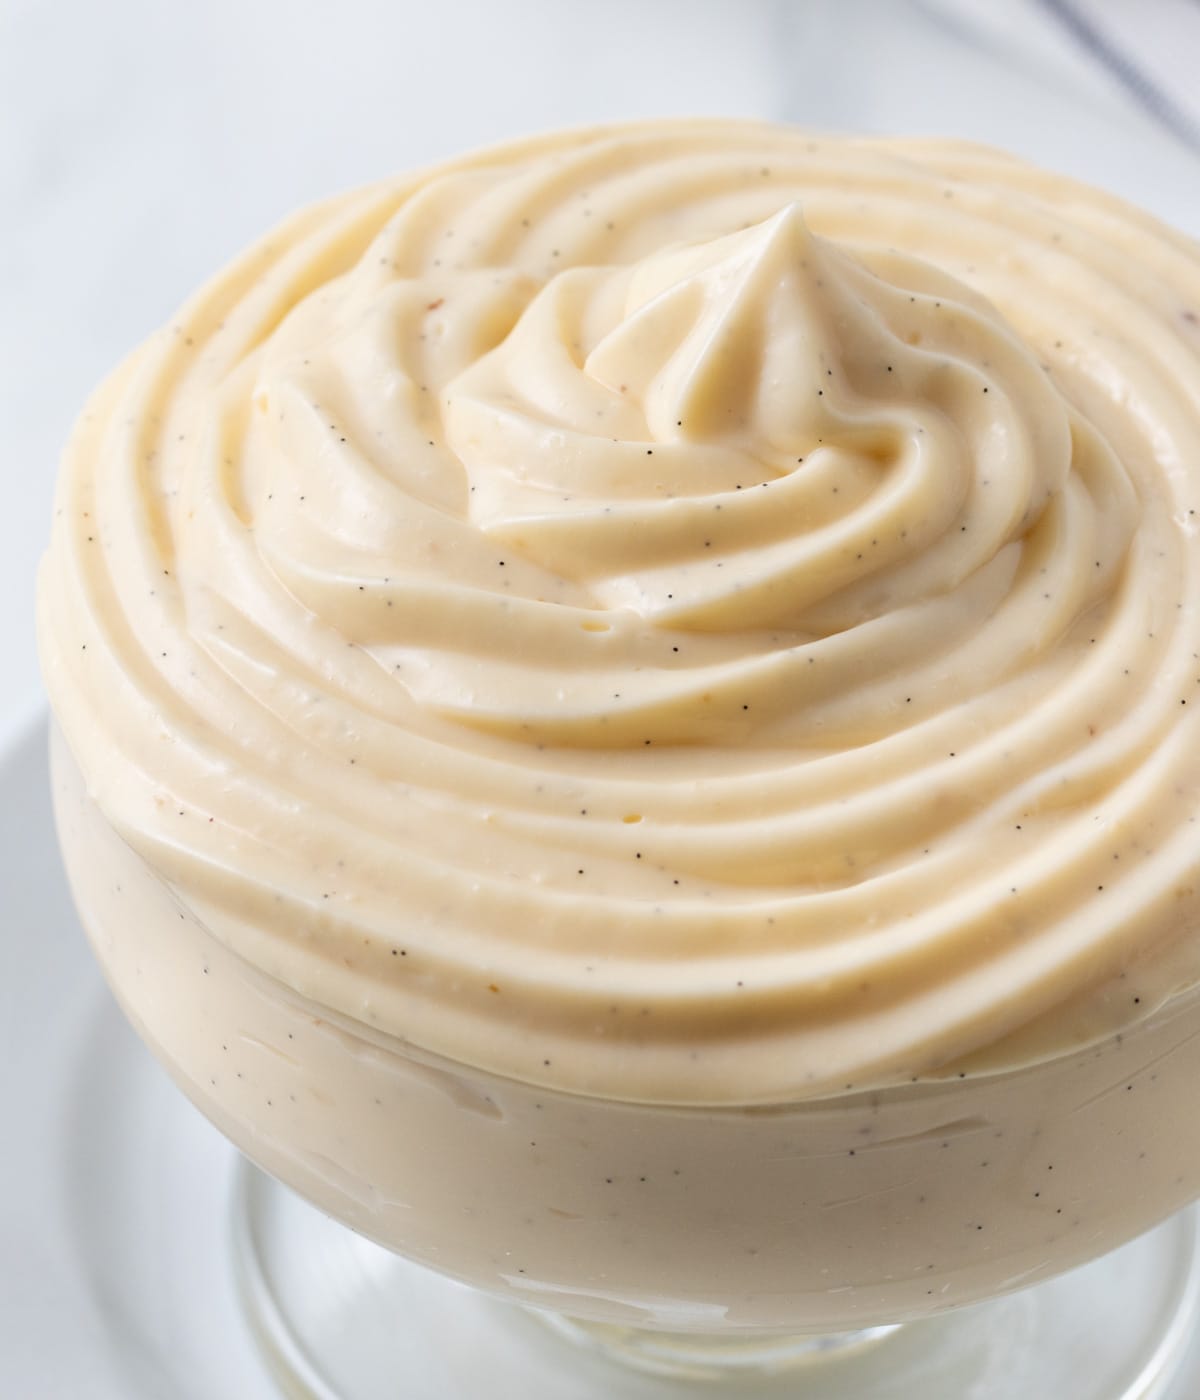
(685, 1356)
(338, 1318)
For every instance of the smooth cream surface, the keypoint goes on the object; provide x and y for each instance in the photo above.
(685, 613)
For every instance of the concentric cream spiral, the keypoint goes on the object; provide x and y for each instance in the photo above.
(687, 612)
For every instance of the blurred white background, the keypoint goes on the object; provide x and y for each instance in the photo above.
(142, 143)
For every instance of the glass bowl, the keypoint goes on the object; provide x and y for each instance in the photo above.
(696, 1242)
(931, 1238)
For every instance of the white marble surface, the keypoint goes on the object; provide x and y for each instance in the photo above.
(142, 142)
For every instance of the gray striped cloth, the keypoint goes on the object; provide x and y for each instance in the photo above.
(1149, 48)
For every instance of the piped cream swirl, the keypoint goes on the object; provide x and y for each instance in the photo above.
(686, 612)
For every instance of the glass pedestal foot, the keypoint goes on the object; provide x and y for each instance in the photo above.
(689, 1357)
(338, 1318)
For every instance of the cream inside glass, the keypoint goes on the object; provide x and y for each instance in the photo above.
(627, 719)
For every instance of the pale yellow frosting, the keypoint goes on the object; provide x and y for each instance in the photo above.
(687, 612)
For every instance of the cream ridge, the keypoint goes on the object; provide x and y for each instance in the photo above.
(688, 613)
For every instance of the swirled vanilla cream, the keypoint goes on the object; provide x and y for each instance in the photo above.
(685, 614)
